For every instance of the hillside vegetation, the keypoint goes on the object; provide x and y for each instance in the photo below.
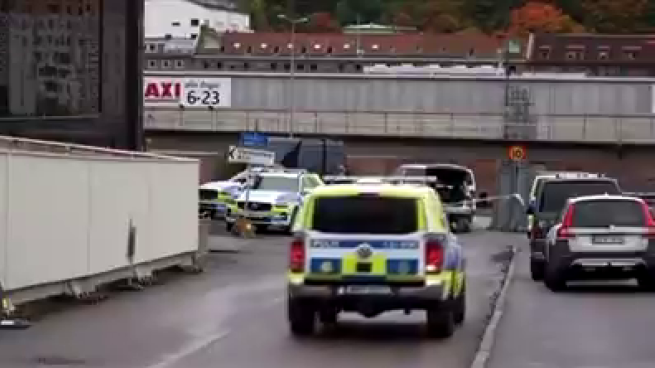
(514, 16)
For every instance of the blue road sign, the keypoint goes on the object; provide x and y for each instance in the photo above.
(254, 139)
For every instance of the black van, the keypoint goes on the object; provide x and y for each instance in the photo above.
(550, 202)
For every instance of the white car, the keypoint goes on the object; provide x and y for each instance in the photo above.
(273, 199)
(216, 196)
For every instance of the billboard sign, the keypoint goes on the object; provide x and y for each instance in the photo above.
(187, 92)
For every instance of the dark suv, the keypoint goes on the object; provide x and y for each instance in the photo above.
(553, 196)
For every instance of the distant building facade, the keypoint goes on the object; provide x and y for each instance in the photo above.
(68, 70)
(183, 19)
(327, 53)
(592, 54)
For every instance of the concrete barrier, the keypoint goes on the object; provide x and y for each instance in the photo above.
(74, 217)
(635, 129)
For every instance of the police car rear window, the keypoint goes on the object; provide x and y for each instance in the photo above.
(365, 215)
(603, 213)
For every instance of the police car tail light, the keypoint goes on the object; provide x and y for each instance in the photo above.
(297, 255)
(433, 255)
(564, 232)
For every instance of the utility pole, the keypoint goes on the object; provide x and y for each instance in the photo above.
(292, 64)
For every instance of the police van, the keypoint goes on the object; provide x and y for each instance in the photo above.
(373, 246)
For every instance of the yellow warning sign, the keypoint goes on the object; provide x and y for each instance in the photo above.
(518, 153)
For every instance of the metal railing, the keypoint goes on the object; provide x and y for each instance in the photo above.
(631, 129)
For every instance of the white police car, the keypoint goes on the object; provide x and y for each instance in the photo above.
(273, 199)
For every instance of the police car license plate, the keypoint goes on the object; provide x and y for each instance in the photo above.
(255, 215)
(360, 289)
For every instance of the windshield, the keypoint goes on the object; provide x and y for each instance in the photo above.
(276, 183)
(604, 213)
(365, 215)
(556, 193)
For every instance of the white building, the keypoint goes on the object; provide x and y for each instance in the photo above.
(182, 19)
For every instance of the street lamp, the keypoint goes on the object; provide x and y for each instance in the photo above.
(292, 62)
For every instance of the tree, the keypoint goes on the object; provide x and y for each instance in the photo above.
(615, 16)
(323, 22)
(540, 17)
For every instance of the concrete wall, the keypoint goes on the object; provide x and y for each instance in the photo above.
(328, 92)
(632, 165)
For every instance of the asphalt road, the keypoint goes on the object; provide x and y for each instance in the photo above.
(593, 325)
(233, 316)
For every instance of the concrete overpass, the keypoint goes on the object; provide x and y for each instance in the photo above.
(378, 142)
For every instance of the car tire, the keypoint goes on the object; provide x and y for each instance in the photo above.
(646, 280)
(537, 269)
(554, 279)
(459, 306)
(302, 317)
(441, 321)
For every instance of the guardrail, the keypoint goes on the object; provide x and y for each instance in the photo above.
(634, 129)
(73, 217)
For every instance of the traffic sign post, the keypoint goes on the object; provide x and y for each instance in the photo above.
(517, 153)
(253, 139)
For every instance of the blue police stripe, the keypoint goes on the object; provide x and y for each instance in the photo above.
(394, 267)
(316, 265)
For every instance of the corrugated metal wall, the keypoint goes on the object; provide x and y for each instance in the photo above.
(460, 95)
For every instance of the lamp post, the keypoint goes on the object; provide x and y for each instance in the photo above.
(292, 62)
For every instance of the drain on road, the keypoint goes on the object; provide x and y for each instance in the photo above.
(59, 361)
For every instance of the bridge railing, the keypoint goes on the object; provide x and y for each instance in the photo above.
(634, 129)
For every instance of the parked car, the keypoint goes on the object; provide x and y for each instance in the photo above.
(549, 204)
(456, 186)
(601, 237)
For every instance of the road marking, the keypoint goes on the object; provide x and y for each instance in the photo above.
(189, 349)
(486, 345)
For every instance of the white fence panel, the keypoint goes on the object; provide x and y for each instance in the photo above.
(66, 213)
(173, 210)
(3, 217)
(119, 195)
(47, 219)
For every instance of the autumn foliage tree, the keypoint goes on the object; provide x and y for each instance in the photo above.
(541, 17)
(323, 22)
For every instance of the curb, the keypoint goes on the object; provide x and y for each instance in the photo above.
(484, 349)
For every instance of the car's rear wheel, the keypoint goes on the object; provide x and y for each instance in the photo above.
(537, 268)
(646, 280)
(554, 279)
(441, 321)
(302, 317)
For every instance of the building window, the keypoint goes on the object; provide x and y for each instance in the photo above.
(273, 66)
(313, 67)
(329, 50)
(630, 54)
(175, 24)
(194, 36)
(206, 64)
(276, 49)
(179, 64)
(168, 36)
(152, 64)
(152, 47)
(544, 53)
(303, 50)
(195, 22)
(603, 55)
(249, 50)
(471, 52)
(166, 64)
(574, 55)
